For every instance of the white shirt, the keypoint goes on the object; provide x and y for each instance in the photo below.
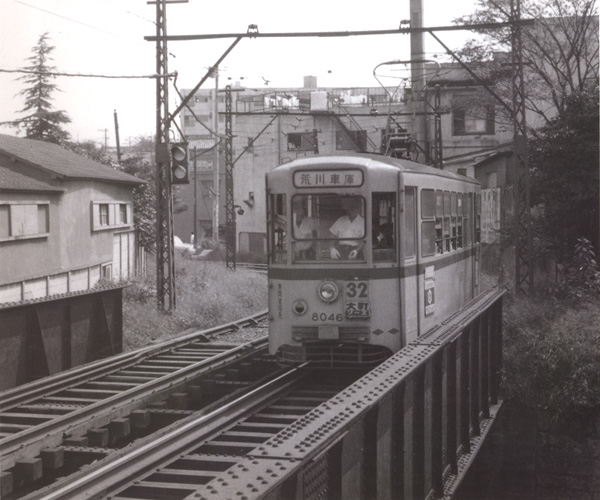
(304, 231)
(346, 228)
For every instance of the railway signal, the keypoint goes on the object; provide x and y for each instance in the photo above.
(179, 163)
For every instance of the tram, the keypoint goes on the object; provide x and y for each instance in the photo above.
(366, 253)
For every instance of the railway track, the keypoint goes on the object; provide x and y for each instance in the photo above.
(306, 432)
(204, 447)
(56, 424)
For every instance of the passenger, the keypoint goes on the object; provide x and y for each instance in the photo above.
(351, 225)
(304, 228)
(383, 237)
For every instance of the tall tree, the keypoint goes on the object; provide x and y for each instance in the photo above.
(560, 51)
(564, 161)
(144, 200)
(41, 121)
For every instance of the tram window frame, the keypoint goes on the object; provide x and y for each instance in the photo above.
(427, 203)
(326, 209)
(410, 222)
(428, 243)
(428, 222)
(459, 220)
(447, 223)
(453, 221)
(439, 221)
(466, 219)
(478, 218)
(384, 213)
(278, 228)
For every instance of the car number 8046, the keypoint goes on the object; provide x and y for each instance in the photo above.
(327, 317)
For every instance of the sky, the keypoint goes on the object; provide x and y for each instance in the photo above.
(106, 37)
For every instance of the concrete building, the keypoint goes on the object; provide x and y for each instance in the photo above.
(65, 221)
(271, 127)
(460, 127)
(274, 126)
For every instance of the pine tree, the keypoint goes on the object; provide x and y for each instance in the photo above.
(41, 121)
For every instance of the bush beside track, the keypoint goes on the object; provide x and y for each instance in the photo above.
(207, 295)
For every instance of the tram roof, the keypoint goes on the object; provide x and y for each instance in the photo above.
(371, 161)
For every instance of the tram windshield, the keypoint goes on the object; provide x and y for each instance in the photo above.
(328, 227)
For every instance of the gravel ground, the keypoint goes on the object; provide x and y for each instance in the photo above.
(242, 336)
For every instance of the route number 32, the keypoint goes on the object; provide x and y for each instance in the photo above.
(357, 290)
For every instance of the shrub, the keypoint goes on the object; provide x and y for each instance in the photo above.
(551, 357)
(207, 294)
(580, 278)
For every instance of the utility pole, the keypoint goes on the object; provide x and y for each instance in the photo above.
(165, 255)
(229, 209)
(523, 243)
(216, 183)
(417, 69)
(117, 137)
(105, 130)
(195, 242)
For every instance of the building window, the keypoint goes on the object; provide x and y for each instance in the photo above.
(123, 213)
(476, 120)
(301, 142)
(24, 220)
(110, 215)
(103, 214)
(188, 120)
(352, 140)
(106, 271)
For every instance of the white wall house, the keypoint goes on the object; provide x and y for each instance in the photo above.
(65, 221)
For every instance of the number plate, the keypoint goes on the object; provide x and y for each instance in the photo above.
(357, 304)
(358, 310)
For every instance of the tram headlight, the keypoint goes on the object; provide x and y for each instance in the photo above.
(328, 291)
(299, 307)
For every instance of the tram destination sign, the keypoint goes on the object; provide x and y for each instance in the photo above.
(341, 178)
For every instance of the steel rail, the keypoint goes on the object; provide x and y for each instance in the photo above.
(98, 479)
(39, 388)
(28, 443)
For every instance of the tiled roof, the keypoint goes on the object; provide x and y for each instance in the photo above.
(15, 181)
(56, 159)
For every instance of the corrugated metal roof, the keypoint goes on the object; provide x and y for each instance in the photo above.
(11, 180)
(58, 160)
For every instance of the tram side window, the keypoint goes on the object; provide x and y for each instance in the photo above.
(467, 218)
(428, 222)
(478, 218)
(453, 222)
(410, 229)
(458, 197)
(450, 220)
(447, 228)
(384, 227)
(439, 221)
(278, 223)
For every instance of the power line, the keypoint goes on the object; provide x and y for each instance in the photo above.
(85, 24)
(85, 75)
(130, 12)
(63, 17)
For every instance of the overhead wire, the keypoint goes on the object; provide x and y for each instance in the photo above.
(84, 75)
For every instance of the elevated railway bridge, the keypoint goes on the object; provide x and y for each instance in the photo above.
(186, 420)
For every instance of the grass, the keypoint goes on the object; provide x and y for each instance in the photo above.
(207, 295)
(552, 357)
